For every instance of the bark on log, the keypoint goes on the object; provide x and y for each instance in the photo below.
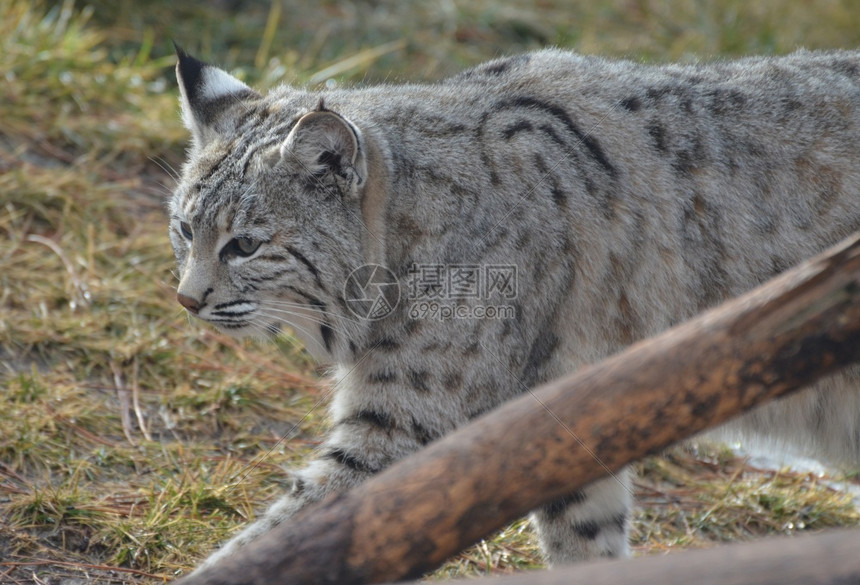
(563, 435)
(822, 559)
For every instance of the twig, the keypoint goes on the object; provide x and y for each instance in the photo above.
(365, 58)
(5, 470)
(124, 402)
(135, 399)
(80, 293)
(39, 562)
(84, 432)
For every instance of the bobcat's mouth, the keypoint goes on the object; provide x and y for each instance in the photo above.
(236, 318)
(229, 326)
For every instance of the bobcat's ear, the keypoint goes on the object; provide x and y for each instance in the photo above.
(323, 142)
(207, 95)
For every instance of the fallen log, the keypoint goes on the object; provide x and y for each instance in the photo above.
(557, 438)
(823, 559)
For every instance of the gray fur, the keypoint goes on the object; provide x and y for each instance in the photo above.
(628, 198)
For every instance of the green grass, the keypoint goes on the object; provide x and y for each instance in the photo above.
(89, 328)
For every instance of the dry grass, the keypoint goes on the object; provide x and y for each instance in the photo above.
(133, 441)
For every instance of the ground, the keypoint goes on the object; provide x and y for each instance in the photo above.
(132, 440)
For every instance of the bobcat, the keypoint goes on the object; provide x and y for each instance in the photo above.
(446, 246)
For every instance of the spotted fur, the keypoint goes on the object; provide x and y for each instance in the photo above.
(628, 197)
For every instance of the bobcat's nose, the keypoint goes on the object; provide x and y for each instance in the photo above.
(190, 303)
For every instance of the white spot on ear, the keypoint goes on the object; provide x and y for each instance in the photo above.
(218, 83)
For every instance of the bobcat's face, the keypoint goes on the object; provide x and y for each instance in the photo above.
(264, 220)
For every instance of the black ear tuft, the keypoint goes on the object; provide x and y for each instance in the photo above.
(190, 72)
(208, 95)
(179, 50)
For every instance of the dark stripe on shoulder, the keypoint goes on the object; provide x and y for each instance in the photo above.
(553, 135)
(590, 143)
(559, 197)
(516, 128)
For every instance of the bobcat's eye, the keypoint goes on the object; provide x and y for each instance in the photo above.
(241, 246)
(185, 230)
(247, 246)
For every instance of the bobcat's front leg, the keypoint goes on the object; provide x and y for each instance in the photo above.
(310, 485)
(370, 431)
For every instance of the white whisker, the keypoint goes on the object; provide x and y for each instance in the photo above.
(302, 328)
(318, 318)
(261, 329)
(166, 167)
(305, 306)
(290, 324)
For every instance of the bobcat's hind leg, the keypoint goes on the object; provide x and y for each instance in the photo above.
(588, 524)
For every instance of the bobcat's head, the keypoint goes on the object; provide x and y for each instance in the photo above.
(266, 221)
